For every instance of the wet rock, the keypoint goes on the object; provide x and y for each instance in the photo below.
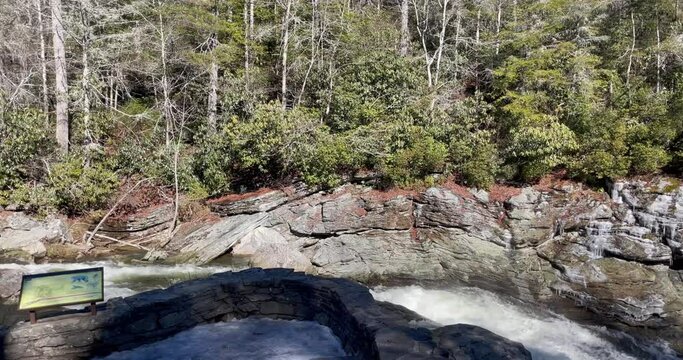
(468, 342)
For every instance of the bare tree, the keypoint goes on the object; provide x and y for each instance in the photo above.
(43, 57)
(405, 32)
(61, 85)
(287, 18)
(423, 16)
(632, 50)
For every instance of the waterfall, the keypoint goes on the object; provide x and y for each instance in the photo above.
(598, 233)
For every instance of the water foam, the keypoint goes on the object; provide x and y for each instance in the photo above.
(547, 336)
(243, 340)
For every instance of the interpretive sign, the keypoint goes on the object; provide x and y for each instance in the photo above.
(61, 288)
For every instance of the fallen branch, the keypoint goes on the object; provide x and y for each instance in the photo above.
(105, 237)
(111, 211)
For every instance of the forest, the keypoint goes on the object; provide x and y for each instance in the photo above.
(207, 97)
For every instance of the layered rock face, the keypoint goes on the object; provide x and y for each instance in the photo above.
(366, 328)
(615, 255)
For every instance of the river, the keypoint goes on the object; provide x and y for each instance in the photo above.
(547, 336)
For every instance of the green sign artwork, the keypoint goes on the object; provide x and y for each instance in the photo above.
(61, 288)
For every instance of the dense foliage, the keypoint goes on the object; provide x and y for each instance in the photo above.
(209, 97)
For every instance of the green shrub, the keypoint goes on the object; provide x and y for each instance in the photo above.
(538, 148)
(475, 158)
(423, 157)
(326, 158)
(24, 141)
(79, 188)
(373, 88)
(648, 159)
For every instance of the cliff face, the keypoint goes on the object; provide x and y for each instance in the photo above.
(615, 254)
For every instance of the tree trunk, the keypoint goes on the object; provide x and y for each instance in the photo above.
(659, 57)
(85, 77)
(458, 28)
(213, 78)
(43, 58)
(498, 25)
(213, 93)
(314, 7)
(442, 41)
(164, 81)
(477, 36)
(633, 48)
(285, 49)
(248, 5)
(61, 85)
(421, 32)
(405, 34)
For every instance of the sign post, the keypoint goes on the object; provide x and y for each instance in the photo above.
(62, 288)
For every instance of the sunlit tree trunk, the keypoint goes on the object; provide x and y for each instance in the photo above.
(405, 34)
(43, 57)
(61, 84)
(285, 49)
(633, 49)
(85, 76)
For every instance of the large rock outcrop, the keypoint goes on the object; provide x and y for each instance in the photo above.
(367, 329)
(28, 237)
(615, 254)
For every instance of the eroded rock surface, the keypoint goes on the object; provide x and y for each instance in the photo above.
(615, 254)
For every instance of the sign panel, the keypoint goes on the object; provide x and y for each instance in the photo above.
(61, 288)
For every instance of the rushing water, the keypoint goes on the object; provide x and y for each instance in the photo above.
(246, 339)
(546, 335)
(125, 279)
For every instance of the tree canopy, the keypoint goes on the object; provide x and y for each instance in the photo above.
(208, 97)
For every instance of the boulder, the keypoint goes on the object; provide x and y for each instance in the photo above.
(19, 232)
(214, 240)
(561, 241)
(267, 248)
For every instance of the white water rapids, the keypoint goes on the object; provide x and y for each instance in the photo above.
(547, 336)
